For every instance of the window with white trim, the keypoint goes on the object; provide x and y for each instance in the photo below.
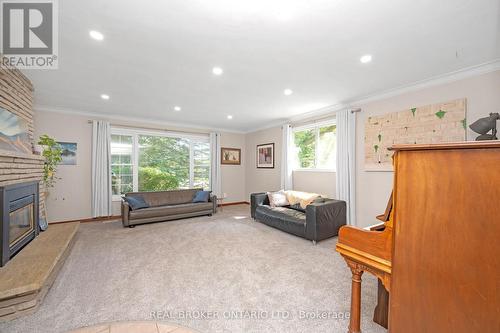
(122, 165)
(315, 146)
(144, 160)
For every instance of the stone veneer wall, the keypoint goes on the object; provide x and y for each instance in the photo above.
(16, 96)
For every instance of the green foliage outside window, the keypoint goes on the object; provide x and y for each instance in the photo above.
(154, 179)
(305, 141)
(327, 149)
(316, 147)
(121, 164)
(163, 163)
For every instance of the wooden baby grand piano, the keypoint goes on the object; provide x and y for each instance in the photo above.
(438, 253)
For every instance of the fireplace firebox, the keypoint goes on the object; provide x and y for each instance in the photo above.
(18, 218)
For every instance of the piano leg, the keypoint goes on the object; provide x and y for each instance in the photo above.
(354, 325)
(381, 313)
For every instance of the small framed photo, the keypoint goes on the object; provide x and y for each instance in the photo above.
(69, 150)
(230, 156)
(265, 156)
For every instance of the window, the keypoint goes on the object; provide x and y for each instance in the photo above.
(201, 164)
(155, 161)
(305, 143)
(316, 146)
(121, 164)
(163, 163)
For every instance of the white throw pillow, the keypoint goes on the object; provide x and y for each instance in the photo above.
(277, 199)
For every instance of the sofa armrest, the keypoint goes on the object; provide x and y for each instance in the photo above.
(125, 213)
(257, 199)
(213, 200)
(324, 219)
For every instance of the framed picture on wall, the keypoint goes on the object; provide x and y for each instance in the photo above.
(265, 156)
(14, 133)
(69, 150)
(230, 156)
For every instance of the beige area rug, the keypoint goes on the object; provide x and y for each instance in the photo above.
(224, 273)
(135, 327)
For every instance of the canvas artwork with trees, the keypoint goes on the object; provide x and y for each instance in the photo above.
(436, 123)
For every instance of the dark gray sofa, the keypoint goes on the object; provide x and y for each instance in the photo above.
(165, 206)
(321, 219)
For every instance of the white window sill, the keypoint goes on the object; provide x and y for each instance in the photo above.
(117, 198)
(315, 170)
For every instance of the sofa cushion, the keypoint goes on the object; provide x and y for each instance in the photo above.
(136, 202)
(283, 213)
(302, 198)
(162, 198)
(300, 209)
(277, 199)
(282, 218)
(297, 207)
(201, 196)
(168, 210)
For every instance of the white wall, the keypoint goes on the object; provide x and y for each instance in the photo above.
(261, 180)
(373, 188)
(70, 199)
(321, 182)
(233, 176)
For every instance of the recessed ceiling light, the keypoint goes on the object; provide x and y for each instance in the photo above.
(177, 108)
(366, 58)
(96, 35)
(217, 71)
(229, 117)
(105, 97)
(288, 92)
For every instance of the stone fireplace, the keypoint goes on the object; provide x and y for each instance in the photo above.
(19, 218)
(21, 172)
(25, 278)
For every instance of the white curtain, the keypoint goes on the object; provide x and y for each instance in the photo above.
(287, 158)
(215, 177)
(346, 162)
(101, 170)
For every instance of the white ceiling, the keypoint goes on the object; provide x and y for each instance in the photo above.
(158, 54)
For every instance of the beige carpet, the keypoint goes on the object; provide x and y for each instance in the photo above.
(223, 273)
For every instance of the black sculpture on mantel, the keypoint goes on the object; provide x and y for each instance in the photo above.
(484, 125)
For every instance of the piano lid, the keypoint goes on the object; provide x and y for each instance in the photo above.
(449, 145)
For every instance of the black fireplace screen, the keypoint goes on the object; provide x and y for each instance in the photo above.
(18, 218)
(21, 221)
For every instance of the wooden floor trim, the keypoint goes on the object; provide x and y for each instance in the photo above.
(96, 219)
(115, 217)
(235, 203)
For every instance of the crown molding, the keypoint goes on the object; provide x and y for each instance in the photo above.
(151, 121)
(460, 74)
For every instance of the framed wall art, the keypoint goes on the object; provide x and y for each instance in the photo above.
(230, 156)
(435, 123)
(69, 150)
(265, 156)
